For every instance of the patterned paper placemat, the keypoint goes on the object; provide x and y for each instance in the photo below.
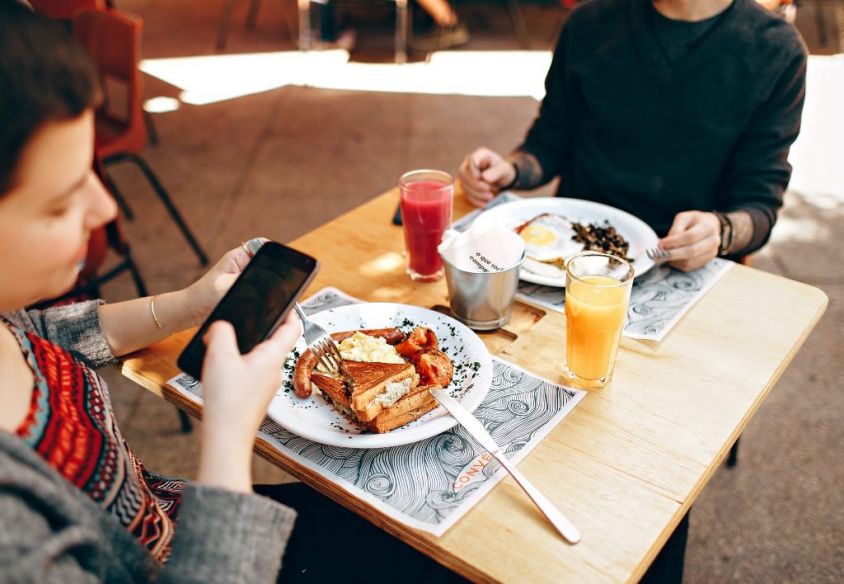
(659, 299)
(431, 484)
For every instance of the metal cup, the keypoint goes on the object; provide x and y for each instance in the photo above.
(482, 300)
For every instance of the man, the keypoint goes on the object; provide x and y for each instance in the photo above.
(681, 112)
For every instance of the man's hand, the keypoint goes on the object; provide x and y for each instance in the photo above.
(693, 240)
(483, 173)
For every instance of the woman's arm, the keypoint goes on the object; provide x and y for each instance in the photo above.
(135, 324)
(130, 325)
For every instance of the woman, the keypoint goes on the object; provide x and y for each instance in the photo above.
(75, 503)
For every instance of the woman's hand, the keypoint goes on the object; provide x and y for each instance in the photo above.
(205, 293)
(483, 173)
(693, 240)
(129, 325)
(239, 389)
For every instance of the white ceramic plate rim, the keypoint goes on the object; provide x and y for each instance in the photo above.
(637, 232)
(382, 315)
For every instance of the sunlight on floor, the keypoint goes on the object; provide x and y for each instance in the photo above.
(816, 155)
(818, 177)
(803, 229)
(209, 79)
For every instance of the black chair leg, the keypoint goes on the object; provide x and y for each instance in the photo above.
(152, 133)
(519, 23)
(136, 275)
(165, 198)
(732, 458)
(820, 21)
(184, 421)
(223, 32)
(252, 17)
(124, 207)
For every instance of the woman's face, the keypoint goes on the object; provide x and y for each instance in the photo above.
(45, 220)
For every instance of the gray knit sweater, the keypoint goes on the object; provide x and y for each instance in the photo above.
(52, 532)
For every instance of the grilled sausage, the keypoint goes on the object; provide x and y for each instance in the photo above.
(302, 374)
(307, 360)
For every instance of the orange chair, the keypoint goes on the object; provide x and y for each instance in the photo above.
(65, 9)
(113, 40)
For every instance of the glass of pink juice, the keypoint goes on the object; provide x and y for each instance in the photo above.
(426, 201)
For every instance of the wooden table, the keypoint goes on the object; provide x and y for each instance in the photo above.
(626, 465)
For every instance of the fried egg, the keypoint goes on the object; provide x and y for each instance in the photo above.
(548, 238)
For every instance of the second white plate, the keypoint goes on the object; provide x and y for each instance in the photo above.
(638, 233)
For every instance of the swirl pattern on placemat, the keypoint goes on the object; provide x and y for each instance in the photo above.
(657, 301)
(419, 479)
(432, 483)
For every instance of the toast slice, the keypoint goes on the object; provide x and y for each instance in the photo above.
(376, 386)
(412, 406)
(336, 391)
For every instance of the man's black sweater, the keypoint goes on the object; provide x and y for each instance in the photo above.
(622, 126)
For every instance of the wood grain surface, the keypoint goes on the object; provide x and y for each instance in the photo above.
(626, 464)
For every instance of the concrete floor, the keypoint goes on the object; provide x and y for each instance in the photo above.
(283, 161)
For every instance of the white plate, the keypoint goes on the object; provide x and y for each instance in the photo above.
(315, 419)
(639, 234)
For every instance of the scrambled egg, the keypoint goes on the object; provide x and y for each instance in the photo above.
(361, 347)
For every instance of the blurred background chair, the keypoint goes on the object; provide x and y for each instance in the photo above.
(304, 41)
(113, 40)
(251, 19)
(66, 9)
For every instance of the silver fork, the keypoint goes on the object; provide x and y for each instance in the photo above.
(658, 255)
(320, 343)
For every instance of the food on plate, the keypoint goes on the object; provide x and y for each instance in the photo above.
(411, 407)
(307, 361)
(363, 347)
(376, 386)
(549, 238)
(420, 339)
(434, 367)
(422, 349)
(384, 377)
(382, 396)
(603, 238)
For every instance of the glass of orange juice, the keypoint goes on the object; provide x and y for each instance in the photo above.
(597, 294)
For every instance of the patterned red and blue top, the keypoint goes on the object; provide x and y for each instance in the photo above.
(72, 426)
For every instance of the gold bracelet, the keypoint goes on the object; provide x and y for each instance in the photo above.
(152, 312)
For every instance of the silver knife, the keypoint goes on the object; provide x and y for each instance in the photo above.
(479, 433)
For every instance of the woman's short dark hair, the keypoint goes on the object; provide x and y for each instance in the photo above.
(45, 76)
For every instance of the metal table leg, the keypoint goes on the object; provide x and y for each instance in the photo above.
(304, 25)
(402, 26)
